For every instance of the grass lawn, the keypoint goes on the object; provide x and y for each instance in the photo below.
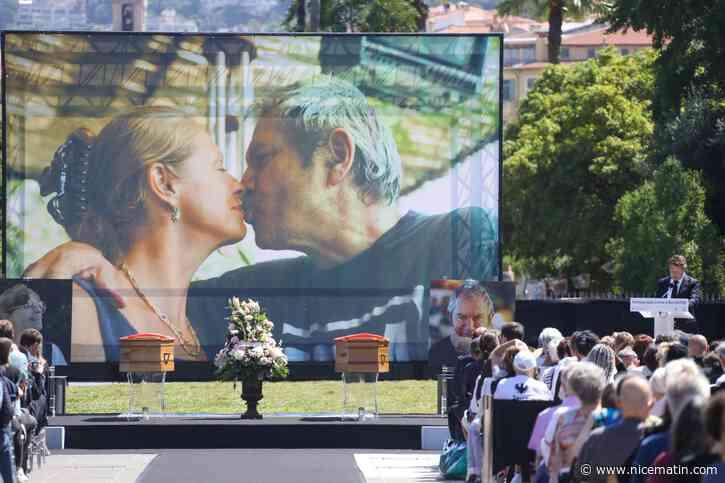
(406, 397)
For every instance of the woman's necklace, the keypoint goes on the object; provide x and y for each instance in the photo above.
(193, 347)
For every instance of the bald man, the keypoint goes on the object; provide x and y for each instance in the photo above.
(615, 445)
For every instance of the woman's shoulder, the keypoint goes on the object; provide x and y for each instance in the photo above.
(85, 331)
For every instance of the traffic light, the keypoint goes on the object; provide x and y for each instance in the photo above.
(127, 17)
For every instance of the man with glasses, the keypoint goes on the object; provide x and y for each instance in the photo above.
(470, 311)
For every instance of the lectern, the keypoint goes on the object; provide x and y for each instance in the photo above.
(361, 358)
(663, 311)
(146, 358)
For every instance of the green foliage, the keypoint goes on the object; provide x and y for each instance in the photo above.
(665, 216)
(689, 103)
(580, 143)
(697, 138)
(689, 35)
(362, 15)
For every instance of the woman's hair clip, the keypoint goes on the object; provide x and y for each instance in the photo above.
(67, 176)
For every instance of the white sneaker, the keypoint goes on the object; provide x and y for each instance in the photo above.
(21, 475)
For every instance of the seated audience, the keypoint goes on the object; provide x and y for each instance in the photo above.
(690, 448)
(649, 360)
(675, 351)
(711, 367)
(582, 342)
(641, 343)
(512, 331)
(471, 421)
(657, 385)
(622, 340)
(603, 356)
(630, 359)
(614, 445)
(683, 382)
(7, 413)
(523, 386)
(31, 344)
(551, 375)
(536, 441)
(715, 425)
(607, 340)
(548, 341)
(697, 348)
(720, 352)
(572, 427)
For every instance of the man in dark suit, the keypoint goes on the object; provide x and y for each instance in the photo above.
(681, 286)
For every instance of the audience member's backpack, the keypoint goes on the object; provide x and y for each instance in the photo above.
(453, 462)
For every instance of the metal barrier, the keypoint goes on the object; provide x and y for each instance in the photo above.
(56, 396)
(444, 378)
(487, 429)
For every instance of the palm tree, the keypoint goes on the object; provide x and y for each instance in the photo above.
(555, 11)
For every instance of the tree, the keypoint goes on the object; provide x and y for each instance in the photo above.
(665, 216)
(580, 143)
(689, 103)
(360, 15)
(554, 11)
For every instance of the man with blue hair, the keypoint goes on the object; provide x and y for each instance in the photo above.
(323, 176)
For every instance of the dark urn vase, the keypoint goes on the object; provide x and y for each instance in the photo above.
(252, 393)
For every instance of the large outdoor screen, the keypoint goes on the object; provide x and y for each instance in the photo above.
(331, 178)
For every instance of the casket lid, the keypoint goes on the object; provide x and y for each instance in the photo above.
(361, 336)
(148, 336)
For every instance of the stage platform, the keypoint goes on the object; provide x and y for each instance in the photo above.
(107, 431)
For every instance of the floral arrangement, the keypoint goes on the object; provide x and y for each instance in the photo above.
(249, 350)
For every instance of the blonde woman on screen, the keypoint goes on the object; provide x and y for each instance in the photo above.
(151, 193)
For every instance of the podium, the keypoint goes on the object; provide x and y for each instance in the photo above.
(361, 358)
(146, 358)
(663, 311)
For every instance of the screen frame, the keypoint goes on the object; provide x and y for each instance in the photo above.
(323, 370)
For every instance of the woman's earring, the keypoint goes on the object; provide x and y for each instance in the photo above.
(174, 214)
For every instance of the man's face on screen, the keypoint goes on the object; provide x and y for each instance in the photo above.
(469, 315)
(282, 199)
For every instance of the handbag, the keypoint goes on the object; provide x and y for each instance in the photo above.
(453, 463)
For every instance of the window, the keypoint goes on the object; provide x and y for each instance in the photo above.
(591, 52)
(564, 53)
(528, 54)
(530, 83)
(624, 51)
(509, 90)
(518, 55)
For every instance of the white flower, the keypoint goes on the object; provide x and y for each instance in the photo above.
(236, 304)
(275, 353)
(257, 352)
(231, 327)
(238, 354)
(221, 359)
(235, 340)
